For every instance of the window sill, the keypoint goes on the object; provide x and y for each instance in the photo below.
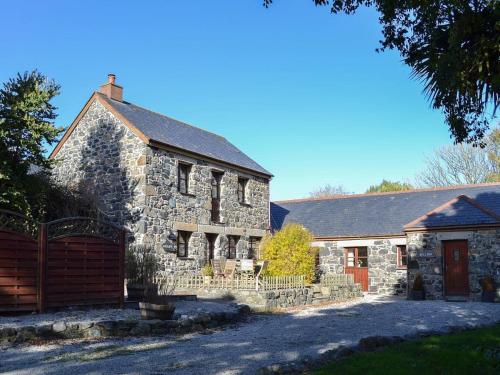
(187, 194)
(185, 258)
(245, 204)
(404, 268)
(217, 223)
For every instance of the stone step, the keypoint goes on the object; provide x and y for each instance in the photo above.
(316, 288)
(456, 299)
(319, 300)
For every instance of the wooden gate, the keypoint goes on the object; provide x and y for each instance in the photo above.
(82, 263)
(75, 261)
(18, 263)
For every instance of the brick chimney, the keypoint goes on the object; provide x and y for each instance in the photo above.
(111, 90)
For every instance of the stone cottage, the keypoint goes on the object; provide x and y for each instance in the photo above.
(189, 192)
(451, 236)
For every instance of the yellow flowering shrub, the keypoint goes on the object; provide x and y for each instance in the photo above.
(289, 252)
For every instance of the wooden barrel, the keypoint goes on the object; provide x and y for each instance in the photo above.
(163, 311)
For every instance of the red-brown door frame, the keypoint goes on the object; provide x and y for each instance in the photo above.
(466, 290)
(360, 273)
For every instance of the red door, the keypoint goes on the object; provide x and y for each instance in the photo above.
(356, 263)
(456, 268)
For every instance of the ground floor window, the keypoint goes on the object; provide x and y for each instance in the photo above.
(183, 243)
(211, 238)
(232, 244)
(402, 256)
(356, 257)
(253, 248)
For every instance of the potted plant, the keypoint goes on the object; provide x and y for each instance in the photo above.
(140, 268)
(489, 290)
(159, 306)
(208, 272)
(418, 291)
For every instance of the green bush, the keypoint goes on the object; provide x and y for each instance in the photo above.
(289, 252)
(207, 270)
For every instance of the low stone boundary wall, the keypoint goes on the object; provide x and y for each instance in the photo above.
(121, 328)
(274, 299)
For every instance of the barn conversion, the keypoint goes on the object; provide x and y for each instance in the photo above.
(450, 235)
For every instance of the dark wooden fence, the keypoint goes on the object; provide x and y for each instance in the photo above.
(75, 261)
(18, 263)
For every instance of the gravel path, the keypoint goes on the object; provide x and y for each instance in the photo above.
(242, 349)
(187, 308)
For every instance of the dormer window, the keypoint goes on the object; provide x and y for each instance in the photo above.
(183, 178)
(242, 186)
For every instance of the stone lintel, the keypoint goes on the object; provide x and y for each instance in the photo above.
(210, 229)
(188, 227)
(232, 231)
(256, 232)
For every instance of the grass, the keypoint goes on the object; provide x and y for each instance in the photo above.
(470, 352)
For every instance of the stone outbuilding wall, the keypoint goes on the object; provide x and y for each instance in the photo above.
(136, 186)
(426, 258)
(384, 276)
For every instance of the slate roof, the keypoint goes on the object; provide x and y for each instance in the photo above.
(174, 133)
(460, 211)
(382, 214)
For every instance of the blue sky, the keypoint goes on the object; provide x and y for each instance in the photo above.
(301, 91)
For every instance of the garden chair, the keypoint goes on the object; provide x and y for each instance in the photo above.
(230, 268)
(217, 267)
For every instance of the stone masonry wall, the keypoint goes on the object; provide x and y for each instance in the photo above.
(136, 186)
(384, 277)
(166, 209)
(426, 258)
(103, 158)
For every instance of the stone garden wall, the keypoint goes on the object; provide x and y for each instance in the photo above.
(274, 299)
(426, 258)
(384, 277)
(121, 327)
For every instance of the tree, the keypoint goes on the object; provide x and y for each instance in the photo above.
(387, 186)
(452, 46)
(26, 126)
(493, 149)
(463, 164)
(328, 191)
(289, 252)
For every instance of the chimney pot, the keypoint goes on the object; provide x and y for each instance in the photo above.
(112, 90)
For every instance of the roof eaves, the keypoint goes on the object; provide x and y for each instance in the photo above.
(170, 147)
(73, 125)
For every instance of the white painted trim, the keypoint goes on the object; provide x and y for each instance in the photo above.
(363, 242)
(445, 236)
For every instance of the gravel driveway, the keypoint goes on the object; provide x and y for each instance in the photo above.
(263, 340)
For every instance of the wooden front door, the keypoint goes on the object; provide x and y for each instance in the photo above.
(356, 263)
(456, 268)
